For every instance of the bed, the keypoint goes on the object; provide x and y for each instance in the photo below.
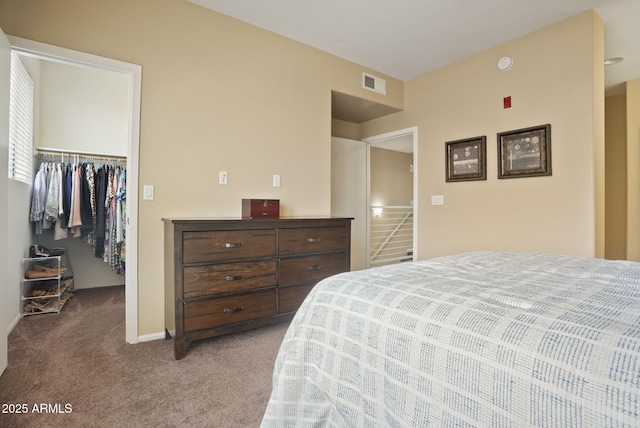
(479, 339)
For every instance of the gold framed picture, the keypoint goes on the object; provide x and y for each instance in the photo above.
(525, 152)
(466, 159)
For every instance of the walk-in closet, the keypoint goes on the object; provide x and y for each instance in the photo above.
(78, 194)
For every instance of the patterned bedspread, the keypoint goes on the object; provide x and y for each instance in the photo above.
(482, 339)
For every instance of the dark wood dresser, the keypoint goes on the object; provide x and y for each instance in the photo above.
(228, 275)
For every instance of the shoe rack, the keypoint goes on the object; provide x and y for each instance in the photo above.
(47, 284)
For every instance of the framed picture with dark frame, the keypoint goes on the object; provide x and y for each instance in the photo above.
(467, 159)
(525, 152)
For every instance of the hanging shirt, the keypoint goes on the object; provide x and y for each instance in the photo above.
(108, 228)
(51, 209)
(121, 194)
(66, 194)
(90, 171)
(72, 179)
(85, 202)
(46, 223)
(60, 231)
(38, 199)
(76, 221)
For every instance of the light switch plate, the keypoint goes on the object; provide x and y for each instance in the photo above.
(437, 200)
(148, 192)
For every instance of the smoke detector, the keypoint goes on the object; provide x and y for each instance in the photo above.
(505, 63)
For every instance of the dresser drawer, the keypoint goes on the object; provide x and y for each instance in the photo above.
(307, 268)
(290, 298)
(203, 314)
(311, 239)
(227, 277)
(211, 246)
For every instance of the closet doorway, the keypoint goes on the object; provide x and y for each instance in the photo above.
(133, 74)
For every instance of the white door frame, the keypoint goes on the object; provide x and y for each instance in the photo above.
(5, 312)
(413, 131)
(134, 72)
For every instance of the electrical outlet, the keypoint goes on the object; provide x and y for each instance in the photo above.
(223, 177)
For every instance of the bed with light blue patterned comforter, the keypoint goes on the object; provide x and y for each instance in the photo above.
(481, 339)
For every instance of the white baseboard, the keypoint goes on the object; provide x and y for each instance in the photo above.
(150, 337)
(13, 323)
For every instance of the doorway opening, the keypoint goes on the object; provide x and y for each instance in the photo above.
(133, 73)
(352, 195)
(391, 192)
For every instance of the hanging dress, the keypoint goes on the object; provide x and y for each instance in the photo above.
(101, 192)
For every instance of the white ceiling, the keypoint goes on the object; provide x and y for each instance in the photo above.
(407, 38)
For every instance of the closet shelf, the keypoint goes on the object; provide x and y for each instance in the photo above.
(43, 151)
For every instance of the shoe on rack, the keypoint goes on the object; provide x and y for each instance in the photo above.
(38, 250)
(56, 252)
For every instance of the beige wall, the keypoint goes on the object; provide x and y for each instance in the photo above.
(217, 94)
(343, 129)
(391, 179)
(633, 178)
(83, 109)
(616, 173)
(552, 81)
(597, 123)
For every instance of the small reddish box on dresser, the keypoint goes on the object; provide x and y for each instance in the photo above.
(260, 208)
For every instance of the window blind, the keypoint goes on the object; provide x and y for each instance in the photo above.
(20, 122)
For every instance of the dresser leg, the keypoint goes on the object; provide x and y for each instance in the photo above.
(178, 349)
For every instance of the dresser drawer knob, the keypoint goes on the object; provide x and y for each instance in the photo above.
(234, 310)
(233, 277)
(317, 267)
(313, 240)
(233, 245)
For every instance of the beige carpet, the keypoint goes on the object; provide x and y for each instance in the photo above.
(77, 361)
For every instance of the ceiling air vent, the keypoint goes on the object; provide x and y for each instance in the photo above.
(375, 84)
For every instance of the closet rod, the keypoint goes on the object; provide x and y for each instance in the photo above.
(97, 156)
